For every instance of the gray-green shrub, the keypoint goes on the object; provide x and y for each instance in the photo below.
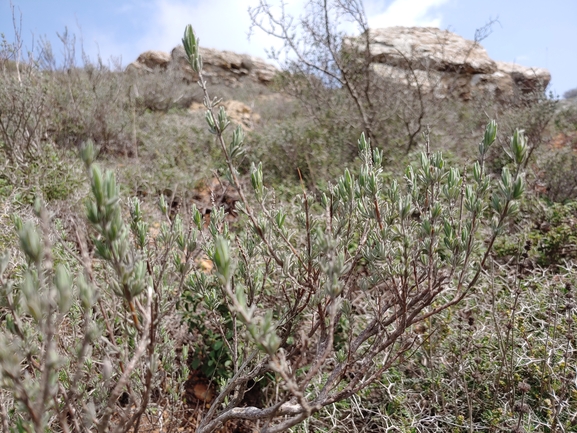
(323, 295)
(355, 269)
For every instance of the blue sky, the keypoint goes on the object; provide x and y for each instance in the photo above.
(529, 32)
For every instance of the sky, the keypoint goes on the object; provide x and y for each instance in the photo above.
(533, 33)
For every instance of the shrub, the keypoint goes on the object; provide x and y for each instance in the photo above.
(31, 163)
(566, 119)
(317, 298)
(335, 80)
(554, 239)
(570, 94)
(293, 147)
(559, 175)
(90, 103)
(557, 164)
(356, 268)
(83, 339)
(22, 114)
(499, 363)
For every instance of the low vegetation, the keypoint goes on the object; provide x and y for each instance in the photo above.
(167, 270)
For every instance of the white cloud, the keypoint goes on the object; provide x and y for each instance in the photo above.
(404, 13)
(224, 24)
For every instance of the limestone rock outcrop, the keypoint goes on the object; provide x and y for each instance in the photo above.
(526, 79)
(226, 67)
(429, 48)
(150, 60)
(219, 67)
(437, 61)
(445, 63)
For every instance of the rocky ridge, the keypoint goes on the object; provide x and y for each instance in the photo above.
(446, 63)
(224, 67)
(436, 60)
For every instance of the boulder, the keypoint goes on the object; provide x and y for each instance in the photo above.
(437, 61)
(428, 80)
(150, 60)
(526, 79)
(510, 81)
(225, 66)
(154, 59)
(445, 64)
(499, 85)
(426, 48)
(220, 67)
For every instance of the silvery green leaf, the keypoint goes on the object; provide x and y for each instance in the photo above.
(86, 293)
(518, 188)
(17, 221)
(30, 241)
(87, 153)
(363, 143)
(4, 262)
(31, 299)
(256, 179)
(191, 48)
(518, 147)
(223, 260)
(477, 172)
(106, 370)
(63, 283)
(211, 123)
(37, 206)
(377, 157)
(490, 134)
(223, 121)
(97, 186)
(163, 205)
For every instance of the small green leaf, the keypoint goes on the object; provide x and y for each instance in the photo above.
(222, 259)
(30, 242)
